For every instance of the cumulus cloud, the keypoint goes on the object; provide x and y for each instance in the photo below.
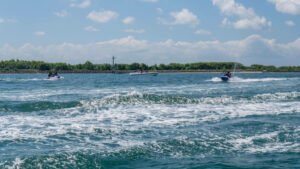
(83, 4)
(248, 19)
(102, 17)
(290, 23)
(91, 29)
(202, 32)
(8, 20)
(39, 33)
(287, 6)
(134, 30)
(251, 50)
(128, 20)
(61, 14)
(182, 17)
(150, 1)
(160, 11)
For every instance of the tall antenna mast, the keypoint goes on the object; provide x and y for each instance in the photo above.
(113, 64)
(113, 60)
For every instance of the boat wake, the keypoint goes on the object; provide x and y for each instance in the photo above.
(55, 78)
(242, 80)
(29, 80)
(20, 80)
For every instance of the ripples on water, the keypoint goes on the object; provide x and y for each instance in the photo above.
(167, 121)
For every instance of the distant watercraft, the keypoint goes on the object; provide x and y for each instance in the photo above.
(55, 77)
(226, 77)
(143, 73)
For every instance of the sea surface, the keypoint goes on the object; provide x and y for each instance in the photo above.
(165, 121)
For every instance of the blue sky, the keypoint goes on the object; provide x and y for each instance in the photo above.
(151, 31)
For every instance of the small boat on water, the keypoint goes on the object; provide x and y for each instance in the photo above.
(227, 75)
(225, 78)
(55, 77)
(143, 73)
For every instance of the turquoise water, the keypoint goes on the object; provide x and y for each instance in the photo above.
(164, 121)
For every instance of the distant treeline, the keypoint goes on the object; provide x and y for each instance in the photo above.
(21, 65)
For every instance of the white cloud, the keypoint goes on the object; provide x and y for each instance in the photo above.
(287, 6)
(160, 11)
(248, 19)
(8, 20)
(251, 50)
(61, 14)
(91, 29)
(83, 4)
(150, 1)
(135, 30)
(11, 20)
(39, 33)
(182, 17)
(128, 20)
(290, 23)
(202, 32)
(102, 17)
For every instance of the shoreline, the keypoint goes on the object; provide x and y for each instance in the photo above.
(126, 72)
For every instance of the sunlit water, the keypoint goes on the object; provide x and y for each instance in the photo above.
(164, 121)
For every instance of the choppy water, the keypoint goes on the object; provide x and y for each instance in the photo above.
(167, 121)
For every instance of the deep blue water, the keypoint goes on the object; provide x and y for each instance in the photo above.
(164, 121)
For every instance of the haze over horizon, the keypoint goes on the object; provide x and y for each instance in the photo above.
(151, 31)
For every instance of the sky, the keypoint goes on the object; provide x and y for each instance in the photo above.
(151, 31)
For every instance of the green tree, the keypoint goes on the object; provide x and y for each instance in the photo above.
(134, 66)
(44, 67)
(88, 65)
(62, 66)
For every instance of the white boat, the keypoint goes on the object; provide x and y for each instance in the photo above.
(55, 77)
(143, 73)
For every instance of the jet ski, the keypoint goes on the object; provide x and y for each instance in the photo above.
(225, 78)
(55, 77)
(143, 73)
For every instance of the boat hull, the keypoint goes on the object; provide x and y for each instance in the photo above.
(224, 78)
(55, 77)
(143, 73)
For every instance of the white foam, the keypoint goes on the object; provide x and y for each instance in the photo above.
(215, 79)
(238, 143)
(277, 96)
(55, 78)
(22, 80)
(16, 164)
(251, 109)
(242, 80)
(275, 147)
(115, 118)
(112, 115)
(44, 94)
(271, 143)
(237, 79)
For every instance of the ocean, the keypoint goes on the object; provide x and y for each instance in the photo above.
(166, 121)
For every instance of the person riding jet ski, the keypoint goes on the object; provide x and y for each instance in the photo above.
(50, 74)
(228, 74)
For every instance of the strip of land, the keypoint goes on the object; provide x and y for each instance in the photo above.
(21, 66)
